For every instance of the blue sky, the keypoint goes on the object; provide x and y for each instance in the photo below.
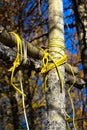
(69, 18)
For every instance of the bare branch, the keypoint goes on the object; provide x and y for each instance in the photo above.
(70, 79)
(9, 40)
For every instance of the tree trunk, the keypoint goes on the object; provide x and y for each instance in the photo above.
(82, 9)
(81, 17)
(55, 98)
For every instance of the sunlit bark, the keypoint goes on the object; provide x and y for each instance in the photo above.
(55, 98)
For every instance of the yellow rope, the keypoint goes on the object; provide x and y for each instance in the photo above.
(70, 95)
(47, 66)
(17, 61)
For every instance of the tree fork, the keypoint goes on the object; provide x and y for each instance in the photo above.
(7, 56)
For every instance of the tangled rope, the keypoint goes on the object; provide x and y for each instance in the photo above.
(17, 61)
(51, 61)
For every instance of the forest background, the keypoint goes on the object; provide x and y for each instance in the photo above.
(29, 18)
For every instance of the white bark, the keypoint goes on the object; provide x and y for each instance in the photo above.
(55, 98)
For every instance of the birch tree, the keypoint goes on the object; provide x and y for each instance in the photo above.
(55, 97)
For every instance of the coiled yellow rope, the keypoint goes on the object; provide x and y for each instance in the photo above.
(49, 62)
(17, 61)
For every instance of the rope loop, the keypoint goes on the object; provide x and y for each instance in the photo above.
(17, 61)
(51, 61)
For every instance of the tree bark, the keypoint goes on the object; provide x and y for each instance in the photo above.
(69, 79)
(8, 55)
(9, 40)
(82, 10)
(55, 98)
(81, 17)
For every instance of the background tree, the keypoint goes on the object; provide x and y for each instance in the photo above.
(74, 54)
